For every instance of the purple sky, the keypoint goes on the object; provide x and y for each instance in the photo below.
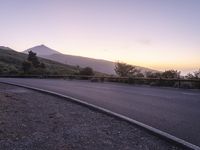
(160, 34)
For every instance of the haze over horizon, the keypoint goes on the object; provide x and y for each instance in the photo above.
(157, 34)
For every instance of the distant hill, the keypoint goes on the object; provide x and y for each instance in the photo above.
(11, 63)
(99, 65)
(5, 48)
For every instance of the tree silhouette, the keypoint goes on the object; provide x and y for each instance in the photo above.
(189, 76)
(125, 70)
(32, 64)
(33, 59)
(197, 74)
(26, 66)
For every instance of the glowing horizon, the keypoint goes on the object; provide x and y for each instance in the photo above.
(160, 35)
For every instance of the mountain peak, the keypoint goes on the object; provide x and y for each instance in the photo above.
(42, 50)
(42, 45)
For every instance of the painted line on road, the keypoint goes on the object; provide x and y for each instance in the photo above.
(193, 94)
(158, 132)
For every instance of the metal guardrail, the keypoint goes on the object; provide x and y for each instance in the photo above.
(172, 82)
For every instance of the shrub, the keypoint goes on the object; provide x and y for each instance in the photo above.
(87, 71)
(171, 74)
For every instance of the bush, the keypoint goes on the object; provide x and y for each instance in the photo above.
(150, 74)
(171, 74)
(87, 71)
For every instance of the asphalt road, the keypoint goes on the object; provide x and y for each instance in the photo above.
(175, 111)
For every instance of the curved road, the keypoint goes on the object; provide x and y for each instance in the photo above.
(175, 111)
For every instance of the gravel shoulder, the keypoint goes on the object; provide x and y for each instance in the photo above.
(30, 120)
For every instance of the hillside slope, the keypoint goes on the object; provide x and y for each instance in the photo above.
(97, 64)
(11, 63)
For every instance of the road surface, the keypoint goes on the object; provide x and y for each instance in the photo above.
(175, 111)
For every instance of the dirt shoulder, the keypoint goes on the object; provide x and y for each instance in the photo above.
(31, 120)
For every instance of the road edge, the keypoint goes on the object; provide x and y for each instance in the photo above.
(153, 130)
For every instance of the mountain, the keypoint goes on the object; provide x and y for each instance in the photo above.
(11, 63)
(99, 65)
(42, 50)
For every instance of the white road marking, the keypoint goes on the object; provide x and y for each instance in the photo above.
(193, 94)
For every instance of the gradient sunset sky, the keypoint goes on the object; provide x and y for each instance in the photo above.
(160, 34)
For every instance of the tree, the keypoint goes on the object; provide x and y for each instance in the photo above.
(189, 76)
(125, 70)
(33, 59)
(26, 66)
(33, 65)
(87, 71)
(171, 74)
(197, 74)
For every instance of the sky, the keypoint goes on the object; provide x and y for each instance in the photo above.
(159, 34)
